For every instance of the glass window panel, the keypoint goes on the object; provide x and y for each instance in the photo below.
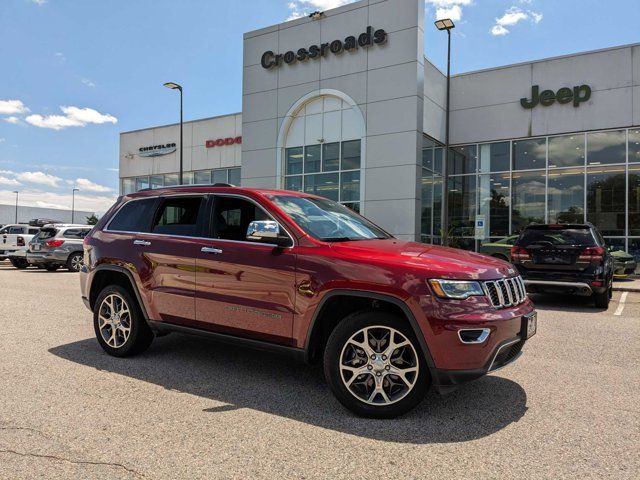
(605, 199)
(462, 159)
(219, 176)
(187, 178)
(634, 200)
(462, 205)
(324, 185)
(312, 158)
(529, 154)
(566, 151)
(499, 156)
(463, 243)
(203, 177)
(330, 157)
(606, 147)
(128, 185)
(235, 176)
(527, 199)
(616, 244)
(566, 196)
(294, 160)
(437, 206)
(634, 247)
(427, 158)
(437, 159)
(634, 145)
(351, 155)
(494, 202)
(350, 186)
(142, 183)
(353, 206)
(293, 183)
(427, 200)
(157, 181)
(170, 179)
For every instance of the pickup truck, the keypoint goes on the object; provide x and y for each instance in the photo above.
(13, 238)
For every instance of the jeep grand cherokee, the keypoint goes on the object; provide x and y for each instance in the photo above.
(305, 275)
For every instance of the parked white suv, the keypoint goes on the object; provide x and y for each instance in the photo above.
(14, 239)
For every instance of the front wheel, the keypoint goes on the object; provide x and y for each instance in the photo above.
(374, 365)
(19, 263)
(119, 324)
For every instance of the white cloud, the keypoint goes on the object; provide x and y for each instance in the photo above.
(87, 185)
(13, 120)
(512, 16)
(88, 83)
(39, 2)
(12, 107)
(448, 8)
(8, 181)
(2, 140)
(73, 117)
(39, 178)
(300, 8)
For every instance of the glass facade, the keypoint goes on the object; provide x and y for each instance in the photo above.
(200, 177)
(581, 177)
(330, 170)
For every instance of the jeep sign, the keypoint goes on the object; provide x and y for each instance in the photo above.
(546, 98)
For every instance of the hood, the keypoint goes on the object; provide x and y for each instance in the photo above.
(433, 260)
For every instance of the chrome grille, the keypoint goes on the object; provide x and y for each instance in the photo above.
(506, 292)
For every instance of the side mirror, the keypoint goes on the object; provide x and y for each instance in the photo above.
(267, 231)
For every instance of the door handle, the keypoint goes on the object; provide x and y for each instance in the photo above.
(211, 250)
(142, 243)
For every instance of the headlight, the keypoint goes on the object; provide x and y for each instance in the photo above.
(458, 289)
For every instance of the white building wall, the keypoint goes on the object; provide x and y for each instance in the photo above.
(8, 214)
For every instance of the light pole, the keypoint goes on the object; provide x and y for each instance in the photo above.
(175, 86)
(73, 204)
(446, 24)
(16, 192)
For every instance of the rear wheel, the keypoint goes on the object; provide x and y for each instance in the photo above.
(74, 262)
(120, 327)
(19, 263)
(602, 299)
(373, 365)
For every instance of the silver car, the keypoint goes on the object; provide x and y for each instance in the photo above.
(58, 246)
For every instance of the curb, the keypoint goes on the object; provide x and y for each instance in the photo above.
(627, 289)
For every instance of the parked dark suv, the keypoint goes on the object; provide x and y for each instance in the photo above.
(305, 275)
(571, 259)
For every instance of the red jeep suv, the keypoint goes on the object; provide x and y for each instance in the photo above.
(304, 275)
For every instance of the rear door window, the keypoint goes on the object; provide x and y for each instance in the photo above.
(557, 237)
(179, 216)
(77, 233)
(134, 216)
(47, 233)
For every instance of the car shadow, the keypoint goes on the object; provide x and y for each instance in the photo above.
(564, 303)
(244, 378)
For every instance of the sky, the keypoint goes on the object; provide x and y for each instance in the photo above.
(76, 73)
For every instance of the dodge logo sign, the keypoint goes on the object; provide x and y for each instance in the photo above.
(221, 142)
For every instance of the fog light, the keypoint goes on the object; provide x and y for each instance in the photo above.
(473, 336)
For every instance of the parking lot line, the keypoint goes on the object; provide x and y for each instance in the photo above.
(623, 298)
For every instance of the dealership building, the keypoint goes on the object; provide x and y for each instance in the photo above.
(347, 106)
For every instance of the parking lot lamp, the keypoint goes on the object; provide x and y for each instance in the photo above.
(446, 24)
(16, 192)
(73, 204)
(175, 86)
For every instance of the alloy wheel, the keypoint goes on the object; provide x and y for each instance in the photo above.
(114, 320)
(379, 365)
(76, 263)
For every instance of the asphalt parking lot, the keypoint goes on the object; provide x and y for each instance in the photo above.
(192, 408)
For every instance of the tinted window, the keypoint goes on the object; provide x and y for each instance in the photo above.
(78, 233)
(178, 216)
(33, 231)
(46, 233)
(232, 216)
(557, 237)
(15, 230)
(134, 216)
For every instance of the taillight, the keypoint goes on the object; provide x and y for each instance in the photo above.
(20, 241)
(54, 243)
(520, 254)
(592, 255)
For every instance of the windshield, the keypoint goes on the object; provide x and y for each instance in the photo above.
(327, 220)
(554, 237)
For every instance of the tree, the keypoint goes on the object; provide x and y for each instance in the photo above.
(92, 219)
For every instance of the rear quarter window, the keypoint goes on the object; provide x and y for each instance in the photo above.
(134, 216)
(77, 233)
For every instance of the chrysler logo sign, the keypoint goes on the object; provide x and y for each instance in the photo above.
(350, 44)
(157, 150)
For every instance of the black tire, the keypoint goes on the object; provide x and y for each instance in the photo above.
(19, 263)
(51, 268)
(74, 262)
(602, 300)
(140, 335)
(333, 353)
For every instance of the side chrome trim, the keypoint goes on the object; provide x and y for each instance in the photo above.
(481, 339)
(508, 344)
